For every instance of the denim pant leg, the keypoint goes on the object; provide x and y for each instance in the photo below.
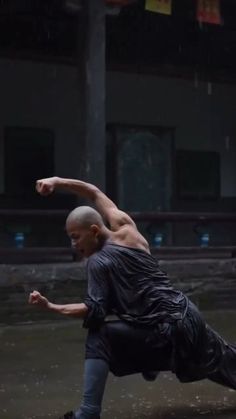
(95, 377)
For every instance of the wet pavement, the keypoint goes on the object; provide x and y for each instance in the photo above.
(41, 369)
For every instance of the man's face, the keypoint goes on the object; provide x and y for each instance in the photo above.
(83, 239)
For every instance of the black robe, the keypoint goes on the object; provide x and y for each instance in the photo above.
(128, 282)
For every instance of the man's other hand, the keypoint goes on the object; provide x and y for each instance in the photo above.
(36, 298)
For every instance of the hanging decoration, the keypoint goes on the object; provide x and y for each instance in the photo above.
(159, 6)
(208, 11)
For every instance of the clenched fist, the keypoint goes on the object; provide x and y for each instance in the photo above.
(38, 299)
(46, 186)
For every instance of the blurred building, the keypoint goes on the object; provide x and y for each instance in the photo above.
(140, 103)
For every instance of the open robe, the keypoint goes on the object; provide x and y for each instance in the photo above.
(159, 327)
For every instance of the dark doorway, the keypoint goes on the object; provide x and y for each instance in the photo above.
(29, 155)
(139, 167)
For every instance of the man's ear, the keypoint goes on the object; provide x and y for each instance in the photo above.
(95, 229)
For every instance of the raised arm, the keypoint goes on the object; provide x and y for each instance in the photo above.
(107, 208)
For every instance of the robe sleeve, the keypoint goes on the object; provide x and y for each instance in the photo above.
(97, 299)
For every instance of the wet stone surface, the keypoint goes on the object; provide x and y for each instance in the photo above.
(211, 283)
(41, 367)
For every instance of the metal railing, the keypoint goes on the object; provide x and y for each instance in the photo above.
(45, 252)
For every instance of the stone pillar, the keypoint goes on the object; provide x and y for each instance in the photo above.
(91, 90)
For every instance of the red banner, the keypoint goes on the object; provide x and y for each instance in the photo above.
(208, 11)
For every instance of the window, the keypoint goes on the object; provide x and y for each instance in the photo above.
(198, 174)
(29, 155)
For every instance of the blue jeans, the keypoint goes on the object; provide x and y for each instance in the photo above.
(95, 376)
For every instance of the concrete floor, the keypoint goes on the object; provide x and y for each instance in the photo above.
(41, 369)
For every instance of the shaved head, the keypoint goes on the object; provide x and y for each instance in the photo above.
(85, 217)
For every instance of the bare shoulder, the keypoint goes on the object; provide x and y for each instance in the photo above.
(124, 230)
(118, 219)
(128, 235)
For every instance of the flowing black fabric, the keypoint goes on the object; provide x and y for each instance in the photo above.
(129, 283)
(128, 349)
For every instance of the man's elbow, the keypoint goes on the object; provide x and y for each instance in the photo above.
(95, 192)
(95, 317)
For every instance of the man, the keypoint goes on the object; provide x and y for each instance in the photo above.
(158, 329)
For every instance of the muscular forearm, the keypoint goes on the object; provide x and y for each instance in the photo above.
(83, 189)
(77, 310)
(88, 191)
